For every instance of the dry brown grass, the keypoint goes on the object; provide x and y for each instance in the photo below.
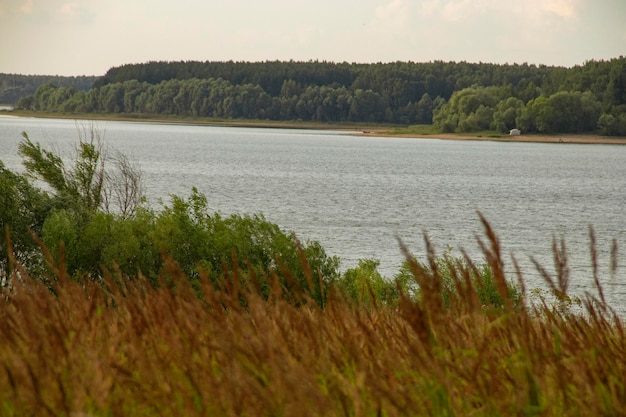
(128, 349)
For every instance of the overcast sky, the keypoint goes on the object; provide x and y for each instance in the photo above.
(87, 37)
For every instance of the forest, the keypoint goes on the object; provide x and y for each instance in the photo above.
(454, 96)
(15, 86)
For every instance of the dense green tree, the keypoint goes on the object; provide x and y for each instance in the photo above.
(103, 240)
(506, 113)
(75, 104)
(26, 102)
(615, 93)
(289, 89)
(468, 110)
(365, 286)
(562, 112)
(367, 106)
(14, 87)
(97, 180)
(590, 111)
(424, 110)
(132, 89)
(23, 209)
(535, 116)
(613, 124)
(40, 101)
(111, 98)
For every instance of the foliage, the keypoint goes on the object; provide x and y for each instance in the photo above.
(469, 110)
(23, 208)
(90, 187)
(506, 114)
(91, 220)
(87, 245)
(92, 184)
(13, 87)
(566, 112)
(198, 241)
(365, 286)
(457, 97)
(614, 123)
(458, 276)
(203, 242)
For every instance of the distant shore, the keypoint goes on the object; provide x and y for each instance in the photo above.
(539, 138)
(358, 129)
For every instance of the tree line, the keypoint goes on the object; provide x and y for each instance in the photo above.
(456, 97)
(15, 86)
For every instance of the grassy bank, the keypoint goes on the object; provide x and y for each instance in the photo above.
(124, 347)
(430, 131)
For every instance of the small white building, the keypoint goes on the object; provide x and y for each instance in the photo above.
(515, 132)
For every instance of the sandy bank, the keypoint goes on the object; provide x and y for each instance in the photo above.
(560, 138)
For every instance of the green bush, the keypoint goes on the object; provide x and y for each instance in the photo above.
(363, 285)
(91, 220)
(23, 208)
(459, 278)
(197, 240)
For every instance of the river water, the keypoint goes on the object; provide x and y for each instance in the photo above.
(358, 195)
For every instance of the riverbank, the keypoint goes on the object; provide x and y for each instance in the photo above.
(376, 130)
(540, 138)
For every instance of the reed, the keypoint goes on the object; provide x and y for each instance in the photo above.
(128, 348)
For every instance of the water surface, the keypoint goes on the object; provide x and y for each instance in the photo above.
(359, 195)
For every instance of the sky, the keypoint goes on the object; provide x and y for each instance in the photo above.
(87, 37)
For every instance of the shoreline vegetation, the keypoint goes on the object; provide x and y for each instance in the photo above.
(452, 97)
(377, 130)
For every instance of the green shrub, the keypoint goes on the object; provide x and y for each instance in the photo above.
(197, 240)
(460, 277)
(363, 285)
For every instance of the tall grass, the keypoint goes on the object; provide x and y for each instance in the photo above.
(126, 348)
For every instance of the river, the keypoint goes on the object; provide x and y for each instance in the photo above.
(358, 195)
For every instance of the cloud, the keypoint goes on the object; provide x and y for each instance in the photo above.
(389, 30)
(495, 30)
(10, 9)
(394, 15)
(70, 9)
(48, 11)
(451, 11)
(27, 7)
(468, 10)
(455, 11)
(566, 9)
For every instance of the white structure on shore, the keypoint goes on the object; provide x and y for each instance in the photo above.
(515, 132)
